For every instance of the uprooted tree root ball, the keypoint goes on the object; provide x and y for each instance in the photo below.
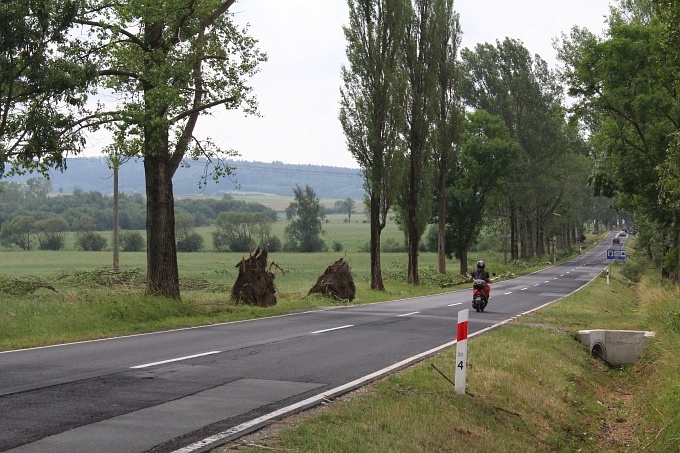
(336, 282)
(255, 282)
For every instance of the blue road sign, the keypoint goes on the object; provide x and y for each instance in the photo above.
(615, 254)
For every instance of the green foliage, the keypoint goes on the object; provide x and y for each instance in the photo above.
(672, 261)
(241, 231)
(303, 234)
(92, 211)
(131, 241)
(486, 160)
(38, 84)
(337, 246)
(18, 231)
(346, 206)
(625, 84)
(51, 233)
(91, 241)
(22, 286)
(191, 242)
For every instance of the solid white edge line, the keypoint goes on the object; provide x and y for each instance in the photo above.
(146, 365)
(334, 328)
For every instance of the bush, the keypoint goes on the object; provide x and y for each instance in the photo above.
(91, 241)
(337, 246)
(392, 246)
(131, 241)
(275, 244)
(51, 243)
(190, 243)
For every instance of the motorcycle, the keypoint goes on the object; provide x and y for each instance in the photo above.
(479, 299)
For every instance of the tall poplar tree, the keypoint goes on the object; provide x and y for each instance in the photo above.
(372, 107)
(421, 60)
(449, 112)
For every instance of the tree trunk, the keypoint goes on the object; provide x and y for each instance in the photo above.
(162, 272)
(528, 240)
(514, 252)
(540, 251)
(463, 261)
(376, 229)
(412, 236)
(441, 232)
(505, 242)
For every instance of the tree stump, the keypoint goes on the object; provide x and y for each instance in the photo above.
(336, 282)
(255, 282)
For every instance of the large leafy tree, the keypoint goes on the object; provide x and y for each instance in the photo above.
(35, 81)
(164, 64)
(372, 107)
(487, 153)
(625, 88)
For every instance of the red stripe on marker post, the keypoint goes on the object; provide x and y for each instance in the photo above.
(462, 331)
(461, 351)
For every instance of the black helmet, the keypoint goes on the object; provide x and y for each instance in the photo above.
(480, 264)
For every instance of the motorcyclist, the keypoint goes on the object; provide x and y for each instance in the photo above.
(482, 274)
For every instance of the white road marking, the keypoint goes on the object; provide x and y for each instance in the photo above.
(505, 294)
(524, 289)
(453, 305)
(409, 314)
(334, 328)
(146, 365)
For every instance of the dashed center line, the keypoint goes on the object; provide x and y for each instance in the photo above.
(146, 365)
(453, 305)
(409, 314)
(334, 328)
(505, 294)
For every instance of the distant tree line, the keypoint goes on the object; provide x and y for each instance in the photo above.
(30, 218)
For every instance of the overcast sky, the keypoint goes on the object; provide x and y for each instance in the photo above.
(298, 88)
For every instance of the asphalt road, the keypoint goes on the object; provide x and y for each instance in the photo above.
(191, 389)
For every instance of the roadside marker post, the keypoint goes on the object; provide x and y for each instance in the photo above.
(461, 351)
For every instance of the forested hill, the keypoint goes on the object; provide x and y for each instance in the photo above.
(93, 174)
